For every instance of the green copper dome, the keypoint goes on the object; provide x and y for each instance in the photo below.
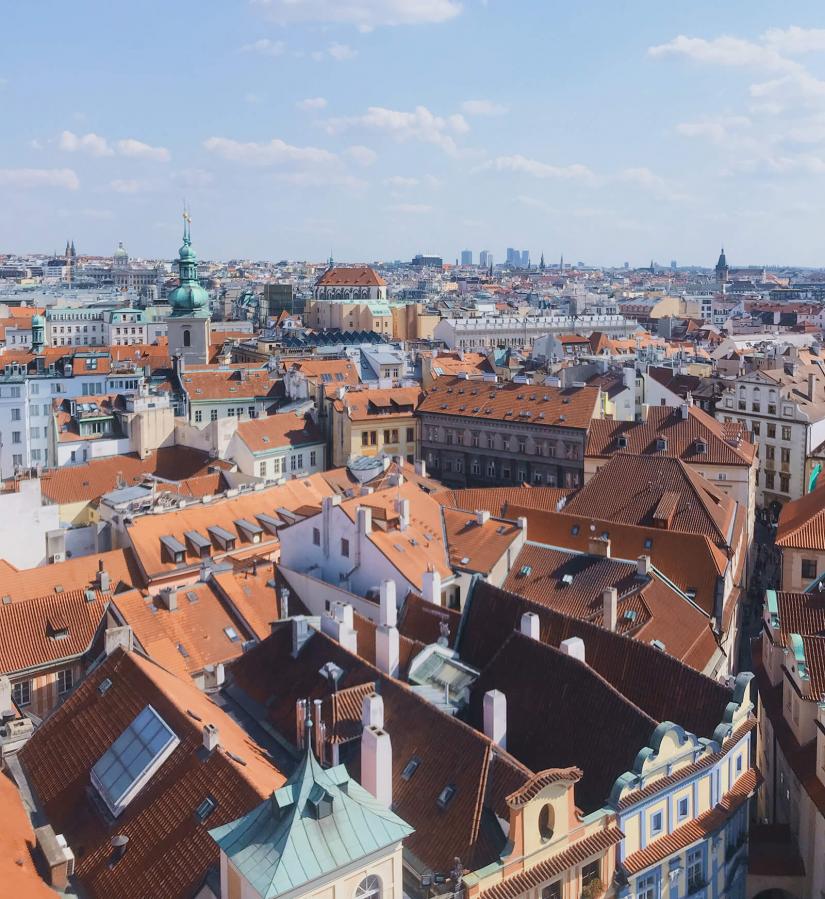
(188, 298)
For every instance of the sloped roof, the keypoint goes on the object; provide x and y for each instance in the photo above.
(365, 405)
(477, 547)
(18, 872)
(602, 730)
(236, 383)
(351, 276)
(32, 630)
(653, 680)
(286, 843)
(572, 407)
(496, 500)
(170, 850)
(802, 522)
(74, 574)
(272, 431)
(629, 489)
(682, 435)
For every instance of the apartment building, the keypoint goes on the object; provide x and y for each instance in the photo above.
(799, 536)
(790, 751)
(211, 393)
(350, 298)
(784, 409)
(372, 422)
(278, 446)
(485, 432)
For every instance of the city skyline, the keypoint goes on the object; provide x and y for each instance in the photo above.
(296, 130)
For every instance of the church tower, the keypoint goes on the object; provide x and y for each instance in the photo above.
(189, 321)
(722, 269)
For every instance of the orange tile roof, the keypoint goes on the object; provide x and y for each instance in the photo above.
(629, 490)
(682, 437)
(73, 574)
(249, 591)
(351, 276)
(170, 850)
(195, 629)
(47, 629)
(452, 364)
(235, 383)
(365, 405)
(146, 530)
(802, 522)
(18, 872)
(341, 372)
(475, 399)
(477, 547)
(89, 481)
(272, 431)
(496, 499)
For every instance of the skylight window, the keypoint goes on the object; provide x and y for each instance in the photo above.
(205, 809)
(132, 759)
(232, 634)
(410, 768)
(446, 795)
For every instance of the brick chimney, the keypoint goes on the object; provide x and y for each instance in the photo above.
(599, 546)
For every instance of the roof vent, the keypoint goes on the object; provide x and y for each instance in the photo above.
(657, 644)
(525, 571)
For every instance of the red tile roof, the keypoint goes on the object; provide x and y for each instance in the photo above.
(682, 436)
(73, 574)
(272, 431)
(506, 401)
(802, 522)
(366, 405)
(351, 276)
(477, 547)
(235, 383)
(169, 850)
(48, 629)
(18, 872)
(496, 500)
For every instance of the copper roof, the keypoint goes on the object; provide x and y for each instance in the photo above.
(170, 849)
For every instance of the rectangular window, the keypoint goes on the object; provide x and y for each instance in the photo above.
(394, 435)
(552, 891)
(682, 808)
(590, 873)
(769, 452)
(772, 431)
(373, 438)
(17, 459)
(755, 428)
(316, 537)
(231, 411)
(300, 461)
(410, 435)
(786, 432)
(262, 469)
(785, 483)
(769, 478)
(646, 887)
(21, 693)
(365, 438)
(312, 457)
(65, 681)
(198, 416)
(345, 547)
(809, 569)
(15, 437)
(695, 871)
(387, 437)
(785, 455)
(213, 415)
(15, 415)
(251, 411)
(655, 823)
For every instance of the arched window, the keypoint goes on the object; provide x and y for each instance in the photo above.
(547, 821)
(187, 337)
(369, 888)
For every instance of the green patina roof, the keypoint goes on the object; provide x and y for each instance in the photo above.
(189, 298)
(319, 821)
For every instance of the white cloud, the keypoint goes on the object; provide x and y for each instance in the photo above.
(717, 131)
(533, 202)
(795, 40)
(274, 152)
(483, 108)
(336, 51)
(139, 150)
(536, 169)
(421, 125)
(91, 143)
(265, 47)
(412, 208)
(193, 178)
(724, 51)
(26, 178)
(364, 14)
(321, 179)
(312, 103)
(361, 155)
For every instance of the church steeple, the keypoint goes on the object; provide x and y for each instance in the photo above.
(722, 268)
(541, 262)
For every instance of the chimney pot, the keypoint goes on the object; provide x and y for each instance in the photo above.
(389, 608)
(495, 717)
(211, 739)
(376, 763)
(610, 616)
(482, 516)
(387, 649)
(530, 625)
(599, 546)
(364, 516)
(643, 566)
(431, 583)
(573, 647)
(372, 711)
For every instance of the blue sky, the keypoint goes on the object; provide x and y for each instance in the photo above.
(376, 129)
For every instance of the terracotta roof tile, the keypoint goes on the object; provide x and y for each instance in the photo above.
(18, 872)
(170, 850)
(47, 629)
(220, 383)
(802, 522)
(421, 620)
(474, 546)
(335, 372)
(367, 405)
(683, 436)
(496, 500)
(272, 431)
(351, 276)
(506, 401)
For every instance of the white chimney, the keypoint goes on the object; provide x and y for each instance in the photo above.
(170, 598)
(117, 636)
(431, 583)
(389, 609)
(495, 717)
(338, 624)
(530, 625)
(372, 711)
(387, 650)
(684, 410)
(521, 521)
(376, 763)
(403, 514)
(6, 706)
(482, 516)
(421, 468)
(573, 647)
(300, 633)
(210, 737)
(364, 520)
(104, 582)
(643, 566)
(610, 615)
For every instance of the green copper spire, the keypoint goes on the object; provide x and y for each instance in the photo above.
(188, 298)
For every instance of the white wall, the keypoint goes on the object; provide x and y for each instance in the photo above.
(23, 525)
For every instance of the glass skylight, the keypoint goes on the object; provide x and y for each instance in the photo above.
(132, 759)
